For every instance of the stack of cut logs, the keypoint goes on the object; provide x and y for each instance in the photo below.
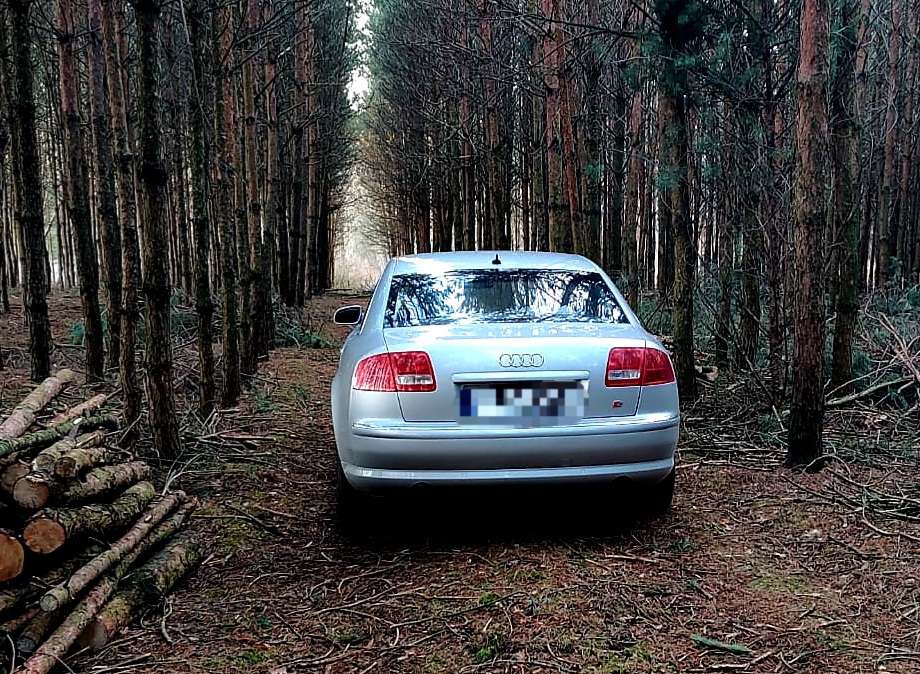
(85, 541)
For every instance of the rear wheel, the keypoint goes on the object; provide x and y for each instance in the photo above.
(351, 504)
(657, 498)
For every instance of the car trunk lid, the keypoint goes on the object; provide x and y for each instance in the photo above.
(523, 365)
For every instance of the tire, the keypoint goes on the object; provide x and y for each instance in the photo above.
(658, 497)
(351, 504)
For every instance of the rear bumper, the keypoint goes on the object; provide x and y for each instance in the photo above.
(381, 455)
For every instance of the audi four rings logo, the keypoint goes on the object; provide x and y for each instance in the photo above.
(521, 360)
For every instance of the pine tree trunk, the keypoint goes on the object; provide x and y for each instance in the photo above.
(223, 141)
(201, 160)
(253, 320)
(845, 98)
(127, 208)
(885, 233)
(77, 176)
(676, 158)
(152, 176)
(811, 208)
(28, 191)
(633, 200)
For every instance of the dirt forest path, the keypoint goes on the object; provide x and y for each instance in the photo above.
(750, 556)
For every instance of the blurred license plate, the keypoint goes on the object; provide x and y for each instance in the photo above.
(531, 404)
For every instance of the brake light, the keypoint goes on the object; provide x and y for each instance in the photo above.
(374, 374)
(638, 366)
(401, 371)
(657, 369)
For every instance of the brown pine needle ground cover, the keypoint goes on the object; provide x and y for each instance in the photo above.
(755, 569)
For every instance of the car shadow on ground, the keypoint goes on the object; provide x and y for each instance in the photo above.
(473, 518)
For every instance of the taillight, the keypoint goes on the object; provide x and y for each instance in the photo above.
(638, 366)
(374, 374)
(413, 371)
(402, 371)
(624, 366)
(657, 369)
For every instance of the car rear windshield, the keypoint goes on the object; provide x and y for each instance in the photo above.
(506, 296)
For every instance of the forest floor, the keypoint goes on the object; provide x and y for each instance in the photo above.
(798, 573)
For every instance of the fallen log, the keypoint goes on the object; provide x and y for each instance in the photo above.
(52, 527)
(12, 556)
(12, 474)
(47, 436)
(23, 415)
(146, 586)
(27, 590)
(83, 457)
(13, 626)
(84, 409)
(184, 554)
(60, 641)
(137, 539)
(45, 460)
(35, 491)
(33, 632)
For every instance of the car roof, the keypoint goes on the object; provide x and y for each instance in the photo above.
(484, 259)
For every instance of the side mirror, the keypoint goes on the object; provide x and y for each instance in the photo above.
(348, 315)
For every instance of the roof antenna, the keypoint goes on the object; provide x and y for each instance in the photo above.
(496, 260)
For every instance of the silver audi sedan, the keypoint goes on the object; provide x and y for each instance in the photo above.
(508, 368)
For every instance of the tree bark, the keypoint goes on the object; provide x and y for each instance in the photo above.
(23, 415)
(33, 633)
(81, 410)
(845, 99)
(201, 160)
(49, 435)
(223, 140)
(127, 207)
(46, 460)
(153, 178)
(811, 210)
(27, 176)
(110, 235)
(41, 489)
(53, 527)
(153, 581)
(138, 535)
(77, 193)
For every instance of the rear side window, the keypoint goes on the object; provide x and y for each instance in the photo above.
(501, 296)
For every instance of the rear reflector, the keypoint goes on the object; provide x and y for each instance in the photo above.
(638, 366)
(401, 371)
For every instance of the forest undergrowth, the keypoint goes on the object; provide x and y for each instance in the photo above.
(755, 569)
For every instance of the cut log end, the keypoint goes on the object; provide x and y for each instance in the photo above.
(44, 535)
(95, 636)
(32, 492)
(12, 556)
